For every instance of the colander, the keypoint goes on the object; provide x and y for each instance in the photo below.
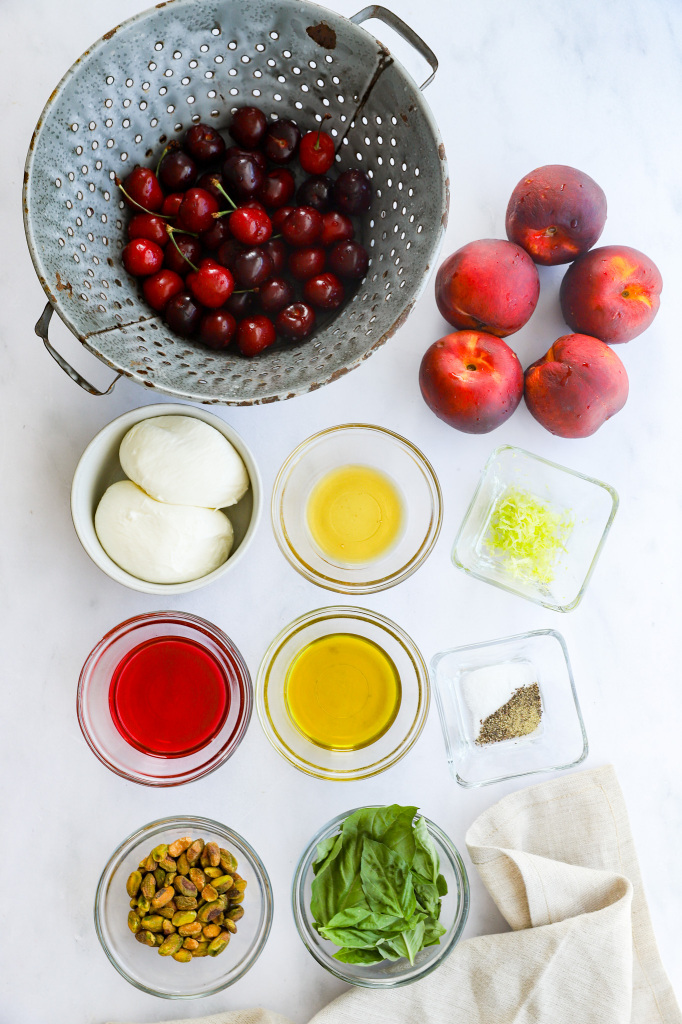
(186, 61)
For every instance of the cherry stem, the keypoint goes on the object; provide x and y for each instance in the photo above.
(171, 234)
(173, 144)
(163, 216)
(216, 184)
(319, 131)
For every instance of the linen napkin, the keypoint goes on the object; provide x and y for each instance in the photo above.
(560, 863)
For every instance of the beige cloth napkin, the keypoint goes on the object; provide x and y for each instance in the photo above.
(560, 863)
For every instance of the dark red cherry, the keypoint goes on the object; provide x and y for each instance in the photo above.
(240, 304)
(141, 188)
(353, 191)
(177, 171)
(307, 262)
(324, 291)
(203, 143)
(179, 262)
(243, 177)
(336, 227)
(218, 233)
(196, 210)
(207, 181)
(211, 284)
(349, 260)
(160, 288)
(316, 152)
(280, 215)
(275, 294)
(229, 249)
(254, 334)
(217, 329)
(146, 225)
(277, 188)
(254, 154)
(295, 322)
(316, 192)
(251, 267)
(281, 140)
(277, 251)
(303, 226)
(182, 314)
(141, 257)
(248, 126)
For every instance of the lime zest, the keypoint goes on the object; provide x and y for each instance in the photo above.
(527, 535)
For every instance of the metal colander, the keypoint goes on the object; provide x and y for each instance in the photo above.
(185, 61)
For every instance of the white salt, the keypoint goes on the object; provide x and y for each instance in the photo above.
(486, 690)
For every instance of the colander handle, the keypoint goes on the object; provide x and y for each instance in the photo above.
(41, 329)
(404, 30)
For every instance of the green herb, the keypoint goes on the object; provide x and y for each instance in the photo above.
(377, 888)
(529, 535)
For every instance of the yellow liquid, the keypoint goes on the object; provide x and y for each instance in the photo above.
(342, 692)
(355, 514)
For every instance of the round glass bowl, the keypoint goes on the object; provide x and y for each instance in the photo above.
(95, 715)
(163, 976)
(380, 449)
(346, 765)
(387, 974)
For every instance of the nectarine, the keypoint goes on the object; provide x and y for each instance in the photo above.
(490, 285)
(472, 380)
(611, 293)
(576, 386)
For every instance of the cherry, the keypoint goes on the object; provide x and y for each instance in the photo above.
(336, 227)
(250, 226)
(275, 294)
(182, 314)
(217, 329)
(239, 304)
(212, 181)
(316, 192)
(229, 249)
(324, 291)
(349, 259)
(177, 171)
(251, 267)
(180, 262)
(161, 287)
(281, 140)
(171, 204)
(303, 226)
(211, 284)
(277, 188)
(255, 155)
(248, 126)
(307, 262)
(316, 152)
(218, 233)
(295, 322)
(146, 225)
(141, 257)
(141, 188)
(254, 334)
(196, 210)
(242, 175)
(353, 191)
(277, 251)
(203, 143)
(280, 215)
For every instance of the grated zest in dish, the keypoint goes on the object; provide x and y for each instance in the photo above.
(528, 535)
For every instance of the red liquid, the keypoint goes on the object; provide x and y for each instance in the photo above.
(169, 697)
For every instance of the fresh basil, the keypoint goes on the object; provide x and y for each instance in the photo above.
(377, 889)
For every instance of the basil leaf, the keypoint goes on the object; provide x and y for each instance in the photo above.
(355, 938)
(426, 861)
(408, 943)
(399, 836)
(327, 849)
(442, 885)
(337, 885)
(374, 822)
(359, 956)
(432, 932)
(352, 917)
(428, 897)
(386, 880)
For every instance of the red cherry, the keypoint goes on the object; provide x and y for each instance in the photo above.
(248, 126)
(180, 262)
(324, 291)
(280, 215)
(336, 227)
(218, 233)
(307, 262)
(141, 188)
(217, 329)
(275, 294)
(296, 321)
(203, 143)
(303, 226)
(277, 188)
(349, 260)
(182, 315)
(254, 334)
(171, 204)
(146, 225)
(142, 258)
(316, 152)
(160, 288)
(277, 251)
(196, 210)
(211, 284)
(250, 226)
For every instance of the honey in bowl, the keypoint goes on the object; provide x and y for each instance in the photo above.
(342, 692)
(355, 514)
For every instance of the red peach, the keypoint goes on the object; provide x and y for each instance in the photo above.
(490, 285)
(576, 386)
(611, 293)
(556, 213)
(472, 380)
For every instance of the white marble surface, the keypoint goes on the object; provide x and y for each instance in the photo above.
(596, 85)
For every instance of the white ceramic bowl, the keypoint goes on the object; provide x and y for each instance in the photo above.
(99, 467)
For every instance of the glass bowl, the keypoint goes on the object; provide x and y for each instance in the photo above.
(387, 974)
(163, 976)
(559, 742)
(95, 717)
(346, 765)
(590, 503)
(365, 445)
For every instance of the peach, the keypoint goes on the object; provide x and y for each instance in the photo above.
(556, 213)
(471, 380)
(490, 285)
(611, 293)
(576, 386)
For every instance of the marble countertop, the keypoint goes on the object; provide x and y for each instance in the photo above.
(595, 85)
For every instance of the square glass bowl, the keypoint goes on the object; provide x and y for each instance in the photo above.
(590, 504)
(559, 742)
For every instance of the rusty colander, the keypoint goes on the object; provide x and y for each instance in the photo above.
(185, 61)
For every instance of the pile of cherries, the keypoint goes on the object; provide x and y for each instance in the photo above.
(229, 248)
